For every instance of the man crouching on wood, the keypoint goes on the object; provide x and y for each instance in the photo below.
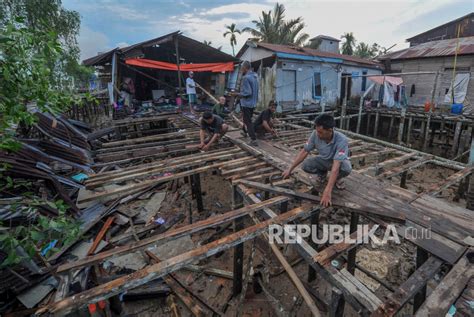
(214, 126)
(333, 150)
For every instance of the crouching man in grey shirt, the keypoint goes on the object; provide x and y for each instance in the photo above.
(333, 150)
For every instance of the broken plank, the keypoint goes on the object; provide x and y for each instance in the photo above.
(325, 256)
(184, 230)
(158, 270)
(452, 285)
(124, 190)
(409, 288)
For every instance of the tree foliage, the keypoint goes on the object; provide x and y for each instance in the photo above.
(348, 43)
(232, 31)
(25, 56)
(272, 27)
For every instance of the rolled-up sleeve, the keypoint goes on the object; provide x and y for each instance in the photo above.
(309, 146)
(342, 150)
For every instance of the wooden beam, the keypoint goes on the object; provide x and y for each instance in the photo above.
(158, 270)
(404, 168)
(336, 201)
(443, 296)
(355, 293)
(124, 190)
(176, 233)
(291, 273)
(409, 288)
(451, 180)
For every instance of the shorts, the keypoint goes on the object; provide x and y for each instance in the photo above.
(191, 98)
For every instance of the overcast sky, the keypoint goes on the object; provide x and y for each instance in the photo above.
(106, 24)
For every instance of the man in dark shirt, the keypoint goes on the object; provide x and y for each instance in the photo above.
(264, 122)
(214, 126)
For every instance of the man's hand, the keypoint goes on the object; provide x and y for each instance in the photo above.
(205, 147)
(202, 145)
(286, 174)
(274, 133)
(326, 199)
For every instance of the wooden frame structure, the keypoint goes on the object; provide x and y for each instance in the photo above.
(370, 195)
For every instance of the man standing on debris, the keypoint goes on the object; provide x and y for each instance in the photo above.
(333, 150)
(214, 126)
(248, 100)
(264, 122)
(191, 90)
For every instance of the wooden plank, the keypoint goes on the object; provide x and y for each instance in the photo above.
(176, 233)
(379, 166)
(409, 288)
(452, 285)
(124, 190)
(355, 293)
(292, 274)
(451, 180)
(100, 235)
(158, 270)
(404, 168)
(361, 156)
(243, 169)
(336, 200)
(325, 256)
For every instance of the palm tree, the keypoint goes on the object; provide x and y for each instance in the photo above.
(349, 43)
(364, 50)
(209, 43)
(232, 31)
(271, 27)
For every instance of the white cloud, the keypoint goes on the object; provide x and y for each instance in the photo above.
(122, 44)
(202, 26)
(92, 42)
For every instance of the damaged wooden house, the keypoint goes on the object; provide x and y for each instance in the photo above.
(152, 74)
(300, 78)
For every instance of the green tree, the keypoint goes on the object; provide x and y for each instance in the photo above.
(25, 56)
(271, 27)
(232, 31)
(348, 44)
(364, 50)
(49, 16)
(209, 43)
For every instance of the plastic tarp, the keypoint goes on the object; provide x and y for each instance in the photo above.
(203, 67)
(460, 88)
(396, 81)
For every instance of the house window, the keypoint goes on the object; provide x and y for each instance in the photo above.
(317, 89)
(364, 80)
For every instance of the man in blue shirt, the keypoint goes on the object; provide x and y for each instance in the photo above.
(333, 150)
(248, 99)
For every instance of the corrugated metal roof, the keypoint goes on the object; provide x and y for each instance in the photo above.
(434, 49)
(469, 15)
(190, 49)
(312, 52)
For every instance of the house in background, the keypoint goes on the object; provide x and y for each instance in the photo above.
(446, 31)
(435, 51)
(326, 43)
(300, 78)
(152, 67)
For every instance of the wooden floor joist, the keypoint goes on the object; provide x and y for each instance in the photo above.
(451, 286)
(158, 270)
(175, 233)
(409, 288)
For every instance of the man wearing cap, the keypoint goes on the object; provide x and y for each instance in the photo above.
(214, 126)
(333, 150)
(191, 90)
